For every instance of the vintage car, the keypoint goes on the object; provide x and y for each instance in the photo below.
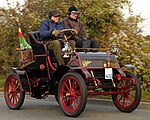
(85, 73)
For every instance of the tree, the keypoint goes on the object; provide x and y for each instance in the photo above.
(103, 20)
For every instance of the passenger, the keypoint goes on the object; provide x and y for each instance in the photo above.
(72, 21)
(51, 36)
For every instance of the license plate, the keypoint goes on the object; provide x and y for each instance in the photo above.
(108, 73)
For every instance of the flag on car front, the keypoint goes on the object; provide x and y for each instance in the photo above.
(23, 42)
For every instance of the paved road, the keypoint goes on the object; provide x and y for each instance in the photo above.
(34, 109)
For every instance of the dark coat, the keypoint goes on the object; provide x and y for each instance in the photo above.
(77, 25)
(80, 38)
(47, 27)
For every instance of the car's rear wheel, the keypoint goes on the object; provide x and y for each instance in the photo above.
(128, 94)
(72, 94)
(14, 96)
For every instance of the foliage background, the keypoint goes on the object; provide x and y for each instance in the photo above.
(103, 21)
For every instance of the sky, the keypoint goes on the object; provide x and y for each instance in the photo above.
(13, 2)
(141, 7)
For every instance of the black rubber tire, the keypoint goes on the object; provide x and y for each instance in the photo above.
(128, 89)
(56, 97)
(14, 97)
(72, 100)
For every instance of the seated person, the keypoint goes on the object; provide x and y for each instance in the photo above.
(72, 21)
(51, 36)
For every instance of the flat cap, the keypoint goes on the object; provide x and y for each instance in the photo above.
(54, 13)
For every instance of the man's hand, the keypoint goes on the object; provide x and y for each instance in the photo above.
(56, 32)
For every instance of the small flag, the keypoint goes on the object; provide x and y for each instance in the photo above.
(23, 42)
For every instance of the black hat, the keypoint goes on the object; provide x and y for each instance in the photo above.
(72, 9)
(54, 13)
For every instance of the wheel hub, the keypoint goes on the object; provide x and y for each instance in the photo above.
(126, 92)
(72, 93)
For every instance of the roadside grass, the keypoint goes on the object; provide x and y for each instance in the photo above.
(145, 96)
(2, 80)
(1, 85)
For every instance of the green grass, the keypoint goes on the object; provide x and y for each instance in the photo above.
(1, 85)
(2, 80)
(145, 96)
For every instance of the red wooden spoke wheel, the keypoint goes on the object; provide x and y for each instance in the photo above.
(72, 94)
(14, 96)
(129, 93)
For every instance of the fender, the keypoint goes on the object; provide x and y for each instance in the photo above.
(59, 73)
(130, 66)
(61, 70)
(121, 72)
(56, 77)
(23, 78)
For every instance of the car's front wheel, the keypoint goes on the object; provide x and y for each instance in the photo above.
(72, 94)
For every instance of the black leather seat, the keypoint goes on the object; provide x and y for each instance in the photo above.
(39, 48)
(40, 54)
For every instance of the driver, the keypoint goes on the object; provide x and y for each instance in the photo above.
(50, 34)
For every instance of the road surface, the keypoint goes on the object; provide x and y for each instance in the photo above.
(34, 109)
